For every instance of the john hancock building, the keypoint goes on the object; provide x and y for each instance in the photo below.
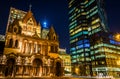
(30, 50)
(94, 50)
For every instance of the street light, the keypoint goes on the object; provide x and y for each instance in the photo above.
(117, 37)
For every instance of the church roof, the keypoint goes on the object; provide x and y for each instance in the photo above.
(51, 30)
(28, 16)
(35, 35)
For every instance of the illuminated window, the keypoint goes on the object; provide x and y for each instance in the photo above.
(93, 13)
(114, 42)
(71, 10)
(86, 54)
(12, 11)
(95, 21)
(73, 52)
(80, 50)
(83, 13)
(80, 46)
(85, 32)
(73, 61)
(76, 35)
(80, 42)
(74, 57)
(86, 45)
(89, 3)
(86, 49)
(92, 58)
(86, 40)
(95, 26)
(72, 49)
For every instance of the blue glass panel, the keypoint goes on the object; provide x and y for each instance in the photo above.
(112, 42)
(85, 32)
(80, 46)
(80, 42)
(72, 49)
(86, 40)
(86, 45)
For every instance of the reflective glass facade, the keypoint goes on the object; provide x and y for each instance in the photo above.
(105, 53)
(86, 17)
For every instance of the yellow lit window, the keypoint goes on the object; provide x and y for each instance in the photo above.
(95, 21)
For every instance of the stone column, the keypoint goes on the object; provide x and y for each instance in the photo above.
(13, 42)
(40, 71)
(40, 49)
(36, 45)
(7, 42)
(43, 70)
(29, 48)
(23, 70)
(26, 48)
(32, 48)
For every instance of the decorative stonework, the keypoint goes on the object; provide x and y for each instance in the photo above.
(26, 53)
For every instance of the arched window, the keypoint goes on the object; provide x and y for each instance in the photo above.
(11, 42)
(29, 48)
(16, 43)
(54, 38)
(39, 48)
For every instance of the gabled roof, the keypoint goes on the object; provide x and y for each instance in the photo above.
(35, 35)
(51, 30)
(28, 16)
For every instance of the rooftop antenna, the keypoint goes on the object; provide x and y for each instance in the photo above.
(30, 6)
(45, 23)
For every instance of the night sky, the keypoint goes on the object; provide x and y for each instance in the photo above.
(55, 12)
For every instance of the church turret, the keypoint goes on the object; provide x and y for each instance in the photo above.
(52, 34)
(38, 29)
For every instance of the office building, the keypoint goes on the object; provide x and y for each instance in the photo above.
(66, 61)
(86, 17)
(105, 53)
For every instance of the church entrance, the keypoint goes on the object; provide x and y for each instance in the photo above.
(37, 67)
(58, 69)
(10, 67)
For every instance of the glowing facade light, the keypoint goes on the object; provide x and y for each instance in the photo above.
(45, 24)
(117, 37)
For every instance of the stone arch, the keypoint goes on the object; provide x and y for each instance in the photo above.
(10, 67)
(58, 68)
(54, 37)
(25, 42)
(37, 62)
(37, 67)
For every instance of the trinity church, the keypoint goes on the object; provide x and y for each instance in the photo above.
(30, 50)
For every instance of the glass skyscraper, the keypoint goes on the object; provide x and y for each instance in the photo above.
(86, 18)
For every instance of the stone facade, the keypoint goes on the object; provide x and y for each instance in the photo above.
(66, 61)
(26, 53)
